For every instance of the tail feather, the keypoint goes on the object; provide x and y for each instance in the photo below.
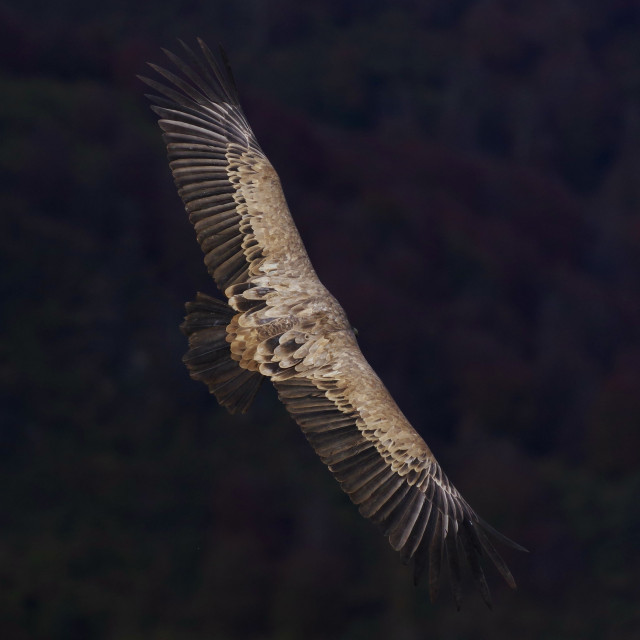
(209, 356)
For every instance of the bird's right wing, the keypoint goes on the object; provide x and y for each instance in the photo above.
(380, 461)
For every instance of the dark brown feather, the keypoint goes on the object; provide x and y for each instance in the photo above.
(209, 357)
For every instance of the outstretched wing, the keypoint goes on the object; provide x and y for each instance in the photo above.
(380, 461)
(288, 327)
(230, 190)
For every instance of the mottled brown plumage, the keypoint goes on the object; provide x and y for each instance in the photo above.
(282, 323)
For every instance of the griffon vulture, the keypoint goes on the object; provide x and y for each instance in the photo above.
(281, 323)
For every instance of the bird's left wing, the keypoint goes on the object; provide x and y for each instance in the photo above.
(234, 200)
(229, 188)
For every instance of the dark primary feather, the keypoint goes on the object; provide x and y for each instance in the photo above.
(202, 121)
(282, 323)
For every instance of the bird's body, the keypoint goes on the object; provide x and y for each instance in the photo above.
(281, 323)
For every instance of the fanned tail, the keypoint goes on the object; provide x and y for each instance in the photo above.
(209, 356)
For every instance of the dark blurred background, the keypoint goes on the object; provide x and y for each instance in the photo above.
(465, 175)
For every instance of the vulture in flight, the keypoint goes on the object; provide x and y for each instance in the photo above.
(281, 323)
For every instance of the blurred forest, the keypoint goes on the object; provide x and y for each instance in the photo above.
(466, 177)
